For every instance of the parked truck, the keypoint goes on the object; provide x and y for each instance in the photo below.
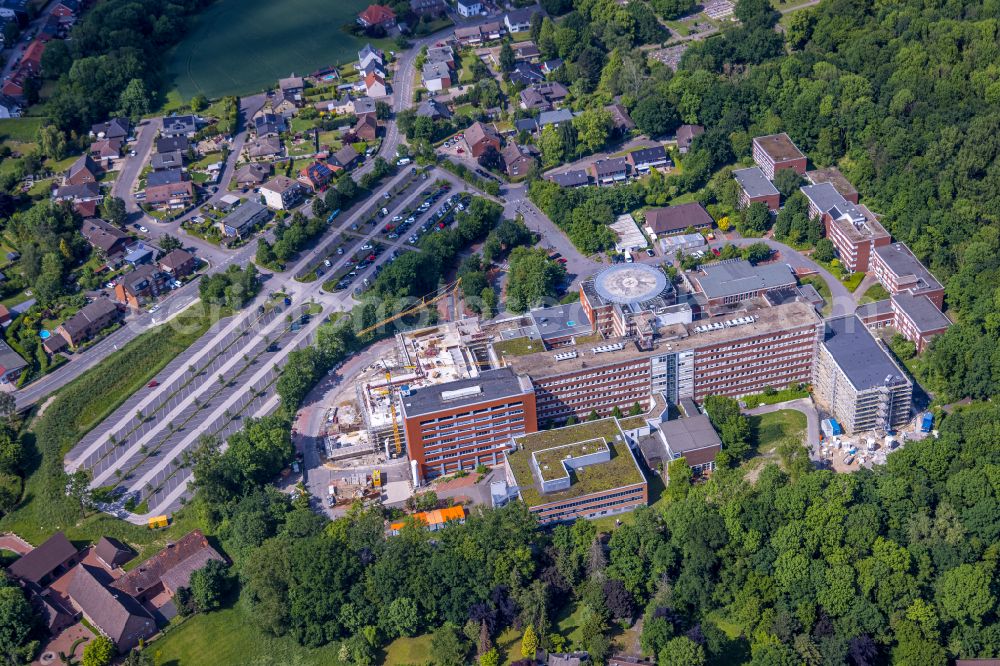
(926, 422)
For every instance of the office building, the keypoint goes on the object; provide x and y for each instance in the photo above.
(899, 271)
(755, 187)
(776, 152)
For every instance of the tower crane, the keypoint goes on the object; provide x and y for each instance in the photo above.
(424, 302)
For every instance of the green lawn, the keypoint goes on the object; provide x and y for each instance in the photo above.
(769, 429)
(416, 650)
(244, 46)
(876, 292)
(852, 281)
(228, 637)
(22, 130)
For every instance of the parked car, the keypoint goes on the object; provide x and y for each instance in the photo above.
(650, 253)
(153, 384)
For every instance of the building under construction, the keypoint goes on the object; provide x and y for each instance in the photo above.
(420, 358)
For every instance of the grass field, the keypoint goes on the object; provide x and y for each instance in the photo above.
(876, 292)
(21, 130)
(769, 429)
(243, 46)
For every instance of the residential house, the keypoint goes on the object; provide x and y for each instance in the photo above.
(371, 67)
(268, 124)
(574, 178)
(252, 175)
(645, 159)
(546, 118)
(169, 144)
(171, 160)
(755, 187)
(186, 126)
(112, 553)
(116, 128)
(366, 129)
(480, 137)
(519, 20)
(65, 12)
(436, 76)
(677, 219)
(170, 569)
(526, 51)
(428, 7)
(9, 108)
(543, 96)
(31, 61)
(241, 222)
(285, 108)
(315, 176)
(443, 54)
(364, 106)
(370, 54)
(141, 286)
(51, 29)
(266, 148)
(526, 74)
(433, 109)
(344, 105)
(550, 66)
(470, 35)
(377, 16)
(40, 566)
(83, 170)
(610, 171)
(468, 8)
(529, 125)
(118, 616)
(89, 320)
(179, 263)
(517, 161)
(106, 149)
(139, 254)
(107, 240)
(169, 188)
(345, 158)
(375, 85)
(79, 193)
(291, 89)
(4, 314)
(775, 152)
(282, 193)
(686, 135)
(621, 121)
(11, 364)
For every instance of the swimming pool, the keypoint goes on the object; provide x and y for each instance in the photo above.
(44, 335)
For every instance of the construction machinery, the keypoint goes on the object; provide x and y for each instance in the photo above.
(425, 301)
(377, 478)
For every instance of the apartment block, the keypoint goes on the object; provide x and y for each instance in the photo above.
(916, 318)
(857, 381)
(465, 423)
(775, 152)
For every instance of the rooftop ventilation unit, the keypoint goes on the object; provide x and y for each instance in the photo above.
(565, 356)
(614, 346)
(461, 393)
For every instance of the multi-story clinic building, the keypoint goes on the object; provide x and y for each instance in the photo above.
(853, 229)
(586, 470)
(461, 424)
(899, 271)
(755, 187)
(857, 381)
(775, 152)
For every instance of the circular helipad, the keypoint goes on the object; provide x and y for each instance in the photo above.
(628, 284)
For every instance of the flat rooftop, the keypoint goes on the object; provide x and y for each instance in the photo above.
(489, 385)
(902, 262)
(823, 196)
(865, 363)
(672, 338)
(737, 276)
(922, 311)
(621, 470)
(754, 182)
(560, 321)
(833, 176)
(858, 223)
(779, 147)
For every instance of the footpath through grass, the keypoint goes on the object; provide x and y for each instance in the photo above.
(75, 409)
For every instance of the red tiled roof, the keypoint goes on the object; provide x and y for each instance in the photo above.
(376, 14)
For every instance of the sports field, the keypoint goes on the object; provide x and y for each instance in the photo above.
(244, 46)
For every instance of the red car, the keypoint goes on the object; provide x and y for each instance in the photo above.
(561, 260)
(153, 384)
(716, 251)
